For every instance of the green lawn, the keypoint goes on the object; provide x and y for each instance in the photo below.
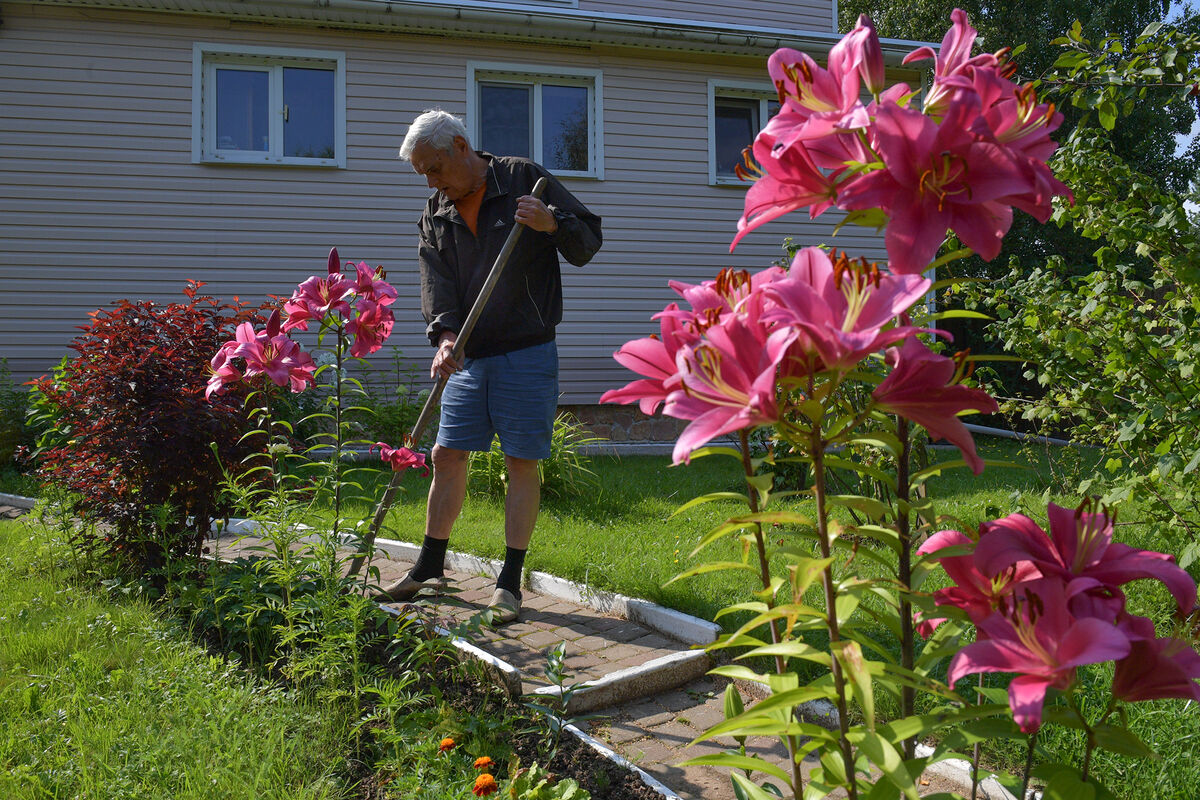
(100, 699)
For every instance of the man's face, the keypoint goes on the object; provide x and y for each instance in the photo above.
(448, 171)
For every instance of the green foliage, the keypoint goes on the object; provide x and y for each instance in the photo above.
(1111, 349)
(392, 403)
(566, 473)
(536, 783)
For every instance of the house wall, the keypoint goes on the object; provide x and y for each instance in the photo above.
(807, 15)
(99, 198)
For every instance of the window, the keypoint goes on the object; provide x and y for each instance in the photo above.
(266, 105)
(552, 117)
(737, 112)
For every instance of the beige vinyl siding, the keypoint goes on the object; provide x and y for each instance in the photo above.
(810, 15)
(99, 198)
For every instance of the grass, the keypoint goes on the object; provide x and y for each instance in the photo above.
(103, 699)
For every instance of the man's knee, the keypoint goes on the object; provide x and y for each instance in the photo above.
(448, 459)
(520, 466)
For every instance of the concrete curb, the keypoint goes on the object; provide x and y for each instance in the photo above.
(17, 501)
(643, 680)
(959, 771)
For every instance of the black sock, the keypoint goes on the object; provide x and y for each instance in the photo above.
(510, 575)
(431, 562)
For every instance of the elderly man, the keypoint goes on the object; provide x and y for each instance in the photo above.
(507, 383)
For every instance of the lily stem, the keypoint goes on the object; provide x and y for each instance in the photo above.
(765, 577)
(904, 529)
(817, 447)
(1028, 765)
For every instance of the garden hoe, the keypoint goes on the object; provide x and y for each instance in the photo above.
(418, 429)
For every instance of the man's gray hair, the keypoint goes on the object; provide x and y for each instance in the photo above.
(436, 128)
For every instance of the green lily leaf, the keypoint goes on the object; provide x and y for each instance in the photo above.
(733, 761)
(709, 498)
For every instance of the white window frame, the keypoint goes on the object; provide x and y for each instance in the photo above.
(764, 93)
(207, 56)
(536, 75)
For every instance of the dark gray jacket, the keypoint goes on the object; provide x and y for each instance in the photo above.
(527, 301)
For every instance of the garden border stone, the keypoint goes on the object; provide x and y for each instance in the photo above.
(17, 501)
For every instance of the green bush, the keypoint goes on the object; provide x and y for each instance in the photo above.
(565, 473)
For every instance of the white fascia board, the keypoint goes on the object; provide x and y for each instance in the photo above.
(512, 21)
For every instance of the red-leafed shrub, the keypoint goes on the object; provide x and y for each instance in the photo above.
(132, 434)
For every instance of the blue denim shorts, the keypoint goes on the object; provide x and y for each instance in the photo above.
(513, 396)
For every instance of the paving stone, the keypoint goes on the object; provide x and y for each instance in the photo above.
(606, 624)
(677, 700)
(541, 640)
(648, 714)
(674, 734)
(653, 641)
(592, 643)
(583, 661)
(560, 607)
(620, 733)
(619, 652)
(703, 717)
(538, 601)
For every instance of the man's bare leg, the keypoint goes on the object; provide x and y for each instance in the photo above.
(521, 503)
(447, 491)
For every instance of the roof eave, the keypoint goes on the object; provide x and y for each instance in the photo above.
(506, 21)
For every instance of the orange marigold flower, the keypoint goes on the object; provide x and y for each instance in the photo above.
(483, 762)
(447, 744)
(485, 784)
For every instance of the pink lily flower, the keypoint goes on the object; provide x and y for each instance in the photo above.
(1157, 669)
(1080, 545)
(401, 458)
(273, 354)
(926, 388)
(937, 177)
(954, 66)
(317, 297)
(975, 592)
(865, 42)
(788, 179)
(653, 357)
(827, 100)
(370, 328)
(223, 370)
(727, 382)
(371, 285)
(843, 306)
(732, 290)
(1040, 640)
